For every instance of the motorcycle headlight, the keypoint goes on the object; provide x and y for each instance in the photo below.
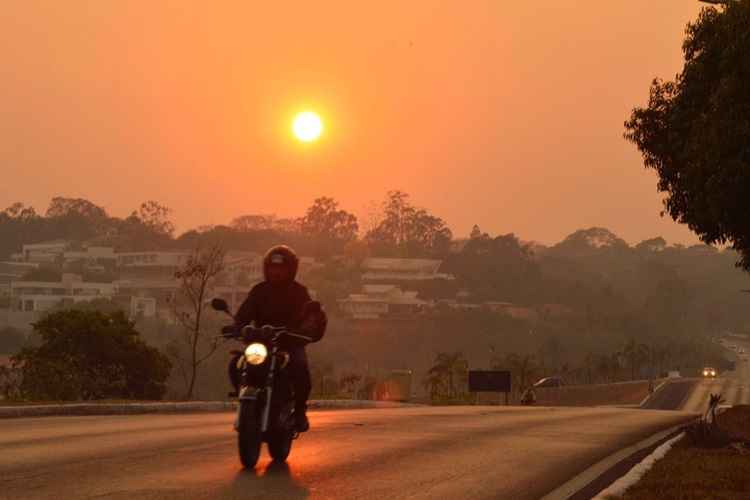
(256, 353)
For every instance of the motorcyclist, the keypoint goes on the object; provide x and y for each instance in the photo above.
(280, 300)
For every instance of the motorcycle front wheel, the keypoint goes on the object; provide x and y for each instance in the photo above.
(249, 437)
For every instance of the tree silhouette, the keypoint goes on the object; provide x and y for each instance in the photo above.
(694, 132)
(195, 278)
(448, 368)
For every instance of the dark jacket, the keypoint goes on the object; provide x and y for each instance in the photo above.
(275, 305)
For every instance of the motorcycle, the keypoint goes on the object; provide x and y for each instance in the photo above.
(265, 412)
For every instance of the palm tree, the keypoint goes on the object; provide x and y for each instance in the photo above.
(588, 365)
(522, 367)
(604, 368)
(449, 366)
(348, 383)
(433, 382)
(660, 358)
(635, 354)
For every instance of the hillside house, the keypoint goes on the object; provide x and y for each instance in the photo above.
(37, 296)
(381, 301)
(395, 270)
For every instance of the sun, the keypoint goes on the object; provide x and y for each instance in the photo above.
(307, 126)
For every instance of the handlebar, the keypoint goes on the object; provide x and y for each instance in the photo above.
(264, 332)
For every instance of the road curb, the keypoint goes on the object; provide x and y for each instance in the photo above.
(599, 476)
(82, 409)
(633, 476)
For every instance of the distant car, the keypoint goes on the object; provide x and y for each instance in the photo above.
(549, 382)
(740, 351)
(709, 372)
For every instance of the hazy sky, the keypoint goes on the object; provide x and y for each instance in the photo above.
(505, 114)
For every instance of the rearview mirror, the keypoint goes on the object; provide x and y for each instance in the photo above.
(220, 305)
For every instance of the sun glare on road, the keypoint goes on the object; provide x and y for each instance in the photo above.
(307, 126)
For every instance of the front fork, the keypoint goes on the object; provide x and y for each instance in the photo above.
(250, 394)
(269, 390)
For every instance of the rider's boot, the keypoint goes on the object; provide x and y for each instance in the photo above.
(301, 424)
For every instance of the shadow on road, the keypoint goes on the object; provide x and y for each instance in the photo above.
(275, 480)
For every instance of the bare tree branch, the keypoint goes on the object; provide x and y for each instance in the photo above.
(197, 278)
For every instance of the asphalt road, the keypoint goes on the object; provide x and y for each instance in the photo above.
(734, 386)
(430, 452)
(693, 394)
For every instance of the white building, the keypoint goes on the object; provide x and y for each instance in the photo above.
(383, 269)
(242, 268)
(98, 258)
(10, 271)
(151, 259)
(49, 252)
(307, 264)
(379, 301)
(155, 288)
(149, 266)
(34, 296)
(142, 307)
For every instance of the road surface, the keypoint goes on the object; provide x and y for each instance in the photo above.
(693, 394)
(430, 452)
(734, 386)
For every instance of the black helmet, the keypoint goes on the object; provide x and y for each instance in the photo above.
(281, 255)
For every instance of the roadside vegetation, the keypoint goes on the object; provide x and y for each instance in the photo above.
(86, 355)
(692, 471)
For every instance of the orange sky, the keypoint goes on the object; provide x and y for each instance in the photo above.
(505, 114)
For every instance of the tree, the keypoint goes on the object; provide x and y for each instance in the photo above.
(433, 382)
(407, 231)
(604, 368)
(329, 226)
(349, 382)
(586, 242)
(252, 222)
(522, 368)
(155, 217)
(19, 224)
(657, 244)
(90, 355)
(19, 211)
(476, 232)
(635, 353)
(11, 340)
(588, 367)
(75, 219)
(61, 207)
(499, 268)
(695, 131)
(195, 278)
(448, 367)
